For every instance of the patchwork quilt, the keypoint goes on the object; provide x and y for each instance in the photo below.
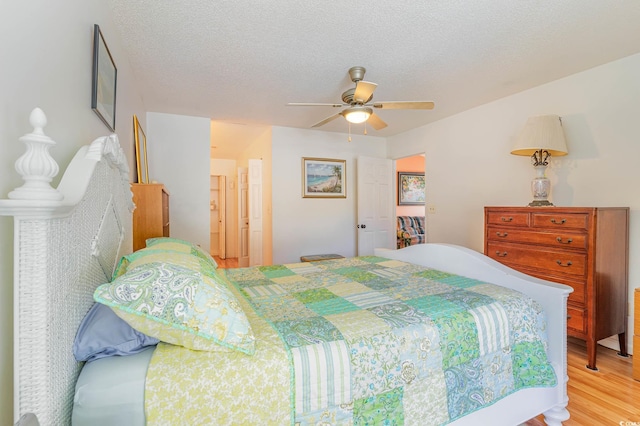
(358, 341)
(378, 341)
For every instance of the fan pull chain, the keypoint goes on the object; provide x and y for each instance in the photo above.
(365, 128)
(349, 139)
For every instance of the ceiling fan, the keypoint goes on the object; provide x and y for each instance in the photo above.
(356, 102)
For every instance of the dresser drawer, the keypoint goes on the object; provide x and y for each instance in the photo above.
(576, 319)
(507, 218)
(544, 259)
(560, 220)
(579, 294)
(557, 239)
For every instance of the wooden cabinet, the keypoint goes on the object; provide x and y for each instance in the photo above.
(151, 216)
(585, 248)
(636, 334)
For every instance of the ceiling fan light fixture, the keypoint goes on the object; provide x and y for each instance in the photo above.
(356, 102)
(357, 114)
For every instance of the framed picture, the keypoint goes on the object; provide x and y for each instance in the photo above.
(103, 93)
(141, 152)
(324, 178)
(411, 189)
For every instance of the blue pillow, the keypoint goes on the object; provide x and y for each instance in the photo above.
(102, 333)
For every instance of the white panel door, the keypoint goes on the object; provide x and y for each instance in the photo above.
(255, 212)
(222, 217)
(376, 218)
(243, 217)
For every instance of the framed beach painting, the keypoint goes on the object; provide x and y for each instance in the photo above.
(411, 189)
(103, 84)
(324, 178)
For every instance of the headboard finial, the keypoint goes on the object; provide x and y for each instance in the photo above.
(38, 120)
(36, 166)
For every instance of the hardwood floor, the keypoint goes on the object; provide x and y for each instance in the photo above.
(231, 262)
(609, 396)
(606, 397)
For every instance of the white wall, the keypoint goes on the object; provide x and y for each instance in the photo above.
(46, 51)
(303, 226)
(469, 165)
(178, 154)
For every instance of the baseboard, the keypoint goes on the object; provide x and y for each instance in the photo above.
(613, 343)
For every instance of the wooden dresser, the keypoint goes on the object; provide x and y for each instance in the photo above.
(151, 216)
(585, 248)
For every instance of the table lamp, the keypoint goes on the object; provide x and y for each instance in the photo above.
(541, 138)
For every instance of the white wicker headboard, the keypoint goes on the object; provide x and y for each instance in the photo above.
(66, 243)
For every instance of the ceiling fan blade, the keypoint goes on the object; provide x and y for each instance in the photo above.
(404, 105)
(326, 120)
(314, 104)
(376, 122)
(364, 91)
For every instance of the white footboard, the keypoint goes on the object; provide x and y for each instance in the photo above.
(527, 403)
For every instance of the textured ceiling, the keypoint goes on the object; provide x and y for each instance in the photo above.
(241, 61)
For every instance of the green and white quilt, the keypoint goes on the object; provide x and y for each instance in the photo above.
(378, 341)
(359, 341)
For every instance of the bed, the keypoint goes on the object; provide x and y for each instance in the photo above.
(72, 244)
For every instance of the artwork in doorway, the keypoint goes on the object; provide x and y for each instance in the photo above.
(103, 93)
(324, 178)
(411, 189)
(142, 166)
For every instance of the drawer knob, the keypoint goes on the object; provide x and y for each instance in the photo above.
(501, 234)
(561, 241)
(506, 219)
(558, 222)
(564, 265)
(503, 254)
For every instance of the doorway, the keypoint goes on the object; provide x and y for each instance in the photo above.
(223, 200)
(412, 164)
(232, 147)
(218, 208)
(236, 213)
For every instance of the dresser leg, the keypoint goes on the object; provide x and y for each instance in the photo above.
(592, 346)
(622, 339)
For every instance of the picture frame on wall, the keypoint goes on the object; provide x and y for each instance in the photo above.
(324, 178)
(411, 189)
(142, 167)
(104, 80)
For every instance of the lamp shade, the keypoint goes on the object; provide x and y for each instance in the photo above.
(543, 132)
